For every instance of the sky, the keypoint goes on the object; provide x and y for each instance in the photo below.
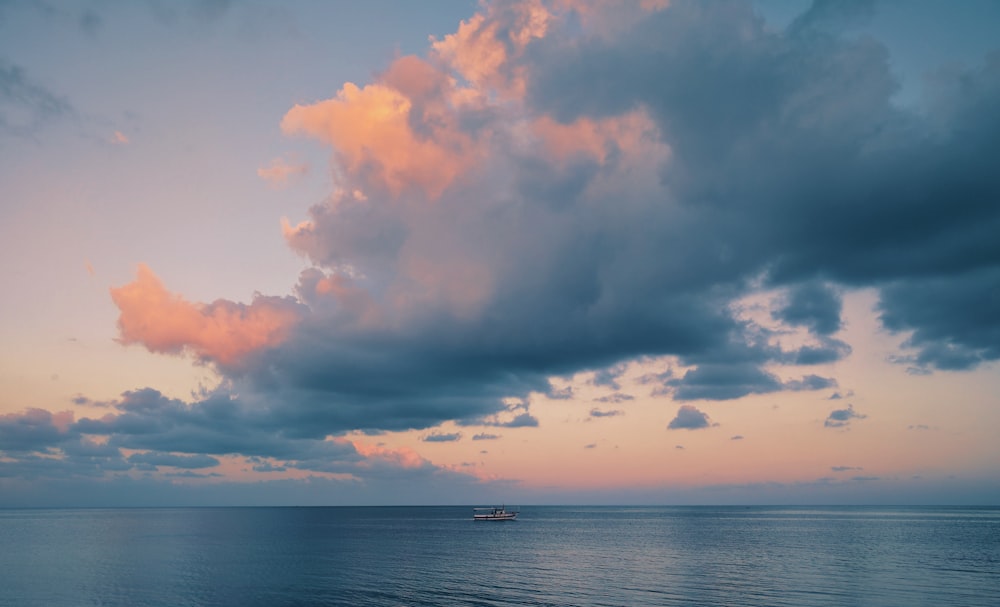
(532, 252)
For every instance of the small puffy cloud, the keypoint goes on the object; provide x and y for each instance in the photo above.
(737, 437)
(590, 446)
(610, 413)
(266, 466)
(119, 138)
(810, 383)
(827, 350)
(689, 418)
(846, 468)
(383, 457)
(840, 418)
(523, 420)
(191, 474)
(561, 393)
(436, 437)
(617, 397)
(485, 436)
(279, 171)
(515, 415)
(723, 382)
(731, 381)
(173, 460)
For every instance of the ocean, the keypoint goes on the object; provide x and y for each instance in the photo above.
(552, 556)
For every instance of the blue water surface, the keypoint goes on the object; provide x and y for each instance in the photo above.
(551, 556)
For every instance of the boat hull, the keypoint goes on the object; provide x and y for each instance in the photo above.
(494, 514)
(492, 517)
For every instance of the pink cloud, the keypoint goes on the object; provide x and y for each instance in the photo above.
(404, 457)
(279, 171)
(633, 133)
(222, 331)
(483, 49)
(370, 129)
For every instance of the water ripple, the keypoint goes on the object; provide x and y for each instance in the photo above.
(552, 557)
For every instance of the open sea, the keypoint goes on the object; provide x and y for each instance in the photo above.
(551, 556)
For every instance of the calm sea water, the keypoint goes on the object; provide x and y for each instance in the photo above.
(551, 556)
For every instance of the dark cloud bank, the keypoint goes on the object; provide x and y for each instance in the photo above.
(790, 169)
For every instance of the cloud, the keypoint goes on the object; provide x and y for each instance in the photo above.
(279, 171)
(689, 418)
(617, 397)
(158, 432)
(731, 381)
(485, 436)
(561, 393)
(173, 460)
(435, 437)
(371, 129)
(737, 437)
(485, 48)
(34, 430)
(810, 382)
(522, 420)
(944, 339)
(261, 465)
(223, 331)
(25, 105)
(512, 259)
(840, 418)
(813, 305)
(832, 16)
(611, 413)
(198, 11)
(846, 468)
(500, 220)
(753, 158)
(608, 377)
(826, 351)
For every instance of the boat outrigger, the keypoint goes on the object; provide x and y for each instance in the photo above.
(494, 513)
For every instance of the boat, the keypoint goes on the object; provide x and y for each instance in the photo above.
(494, 513)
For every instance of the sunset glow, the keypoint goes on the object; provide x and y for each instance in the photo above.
(532, 251)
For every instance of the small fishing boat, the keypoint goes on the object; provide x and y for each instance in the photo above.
(494, 513)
